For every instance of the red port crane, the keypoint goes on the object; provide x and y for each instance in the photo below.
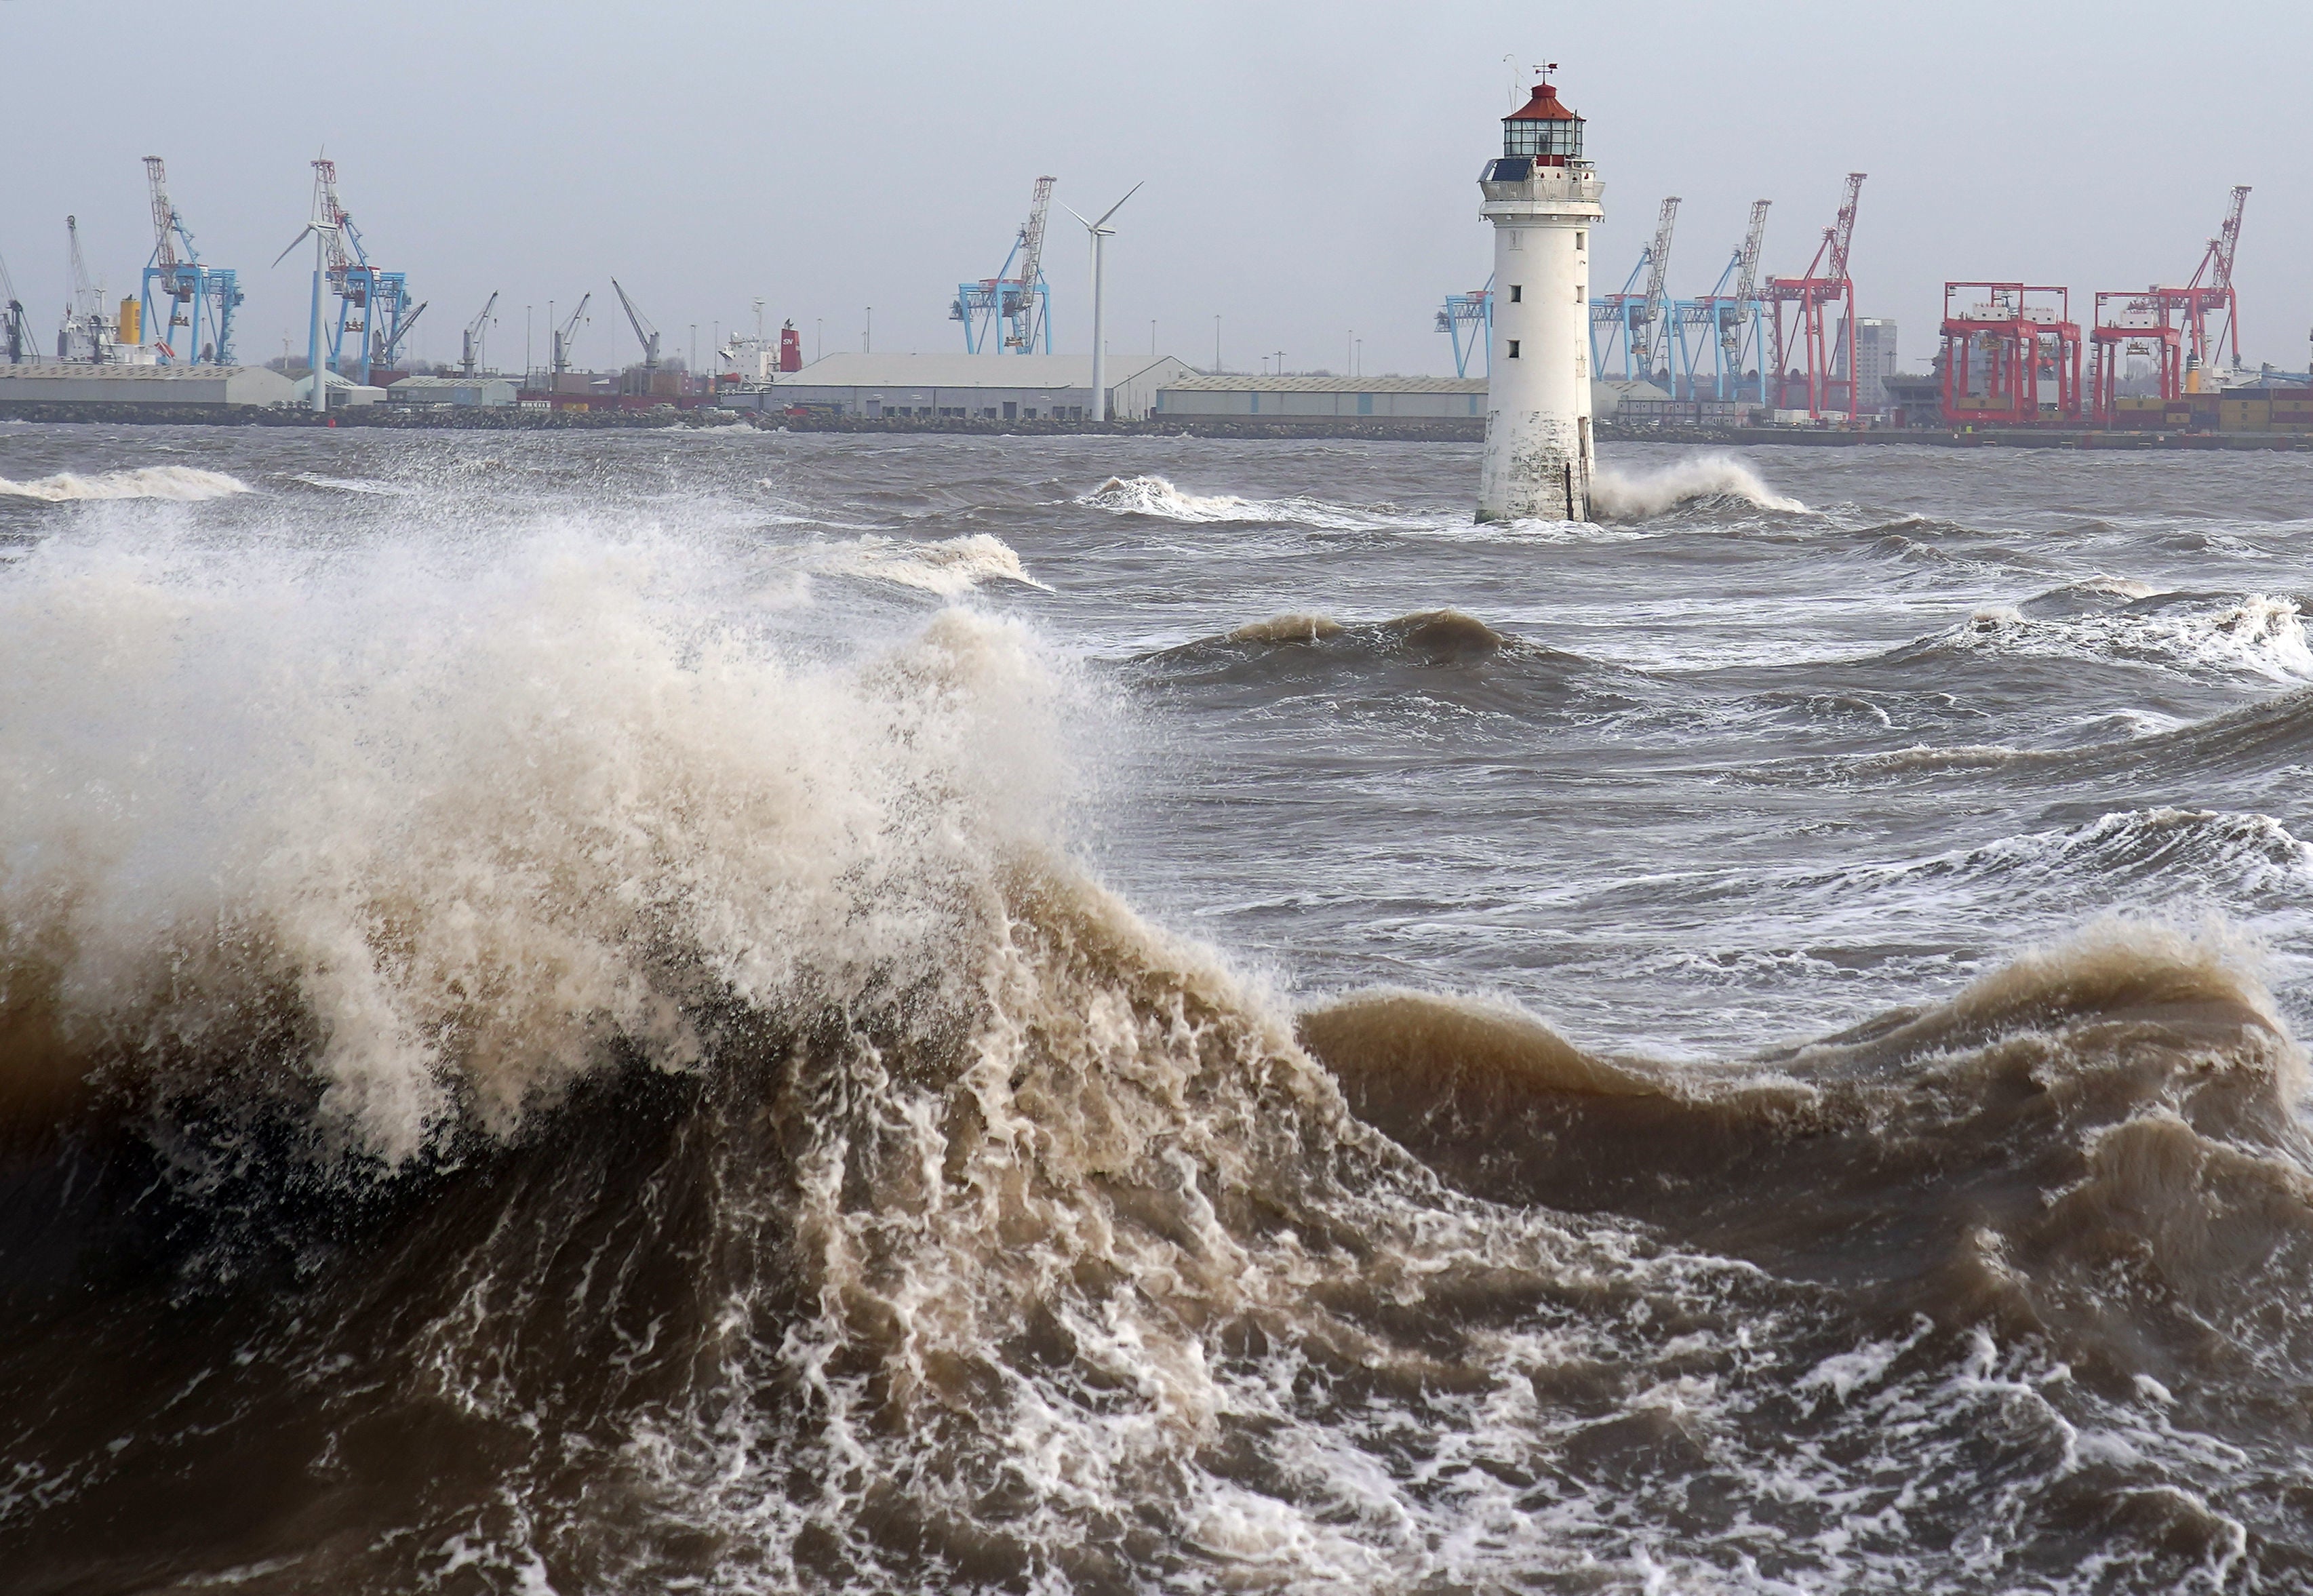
(1828, 347)
(2003, 343)
(2210, 294)
(2130, 324)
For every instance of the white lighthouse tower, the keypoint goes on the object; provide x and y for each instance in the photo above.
(1544, 199)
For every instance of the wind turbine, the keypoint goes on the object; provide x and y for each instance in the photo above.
(1101, 233)
(324, 229)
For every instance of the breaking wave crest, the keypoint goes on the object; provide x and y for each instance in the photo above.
(473, 841)
(2113, 622)
(2129, 1093)
(1702, 478)
(185, 483)
(1156, 496)
(948, 567)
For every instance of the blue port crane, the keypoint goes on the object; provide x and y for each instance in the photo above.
(1468, 318)
(1011, 312)
(373, 303)
(15, 331)
(1636, 322)
(186, 304)
(1729, 323)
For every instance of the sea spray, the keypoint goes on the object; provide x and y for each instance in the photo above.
(1619, 496)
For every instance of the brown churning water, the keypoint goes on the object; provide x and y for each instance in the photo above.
(749, 1012)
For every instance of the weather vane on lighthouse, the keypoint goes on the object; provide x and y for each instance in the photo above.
(1544, 199)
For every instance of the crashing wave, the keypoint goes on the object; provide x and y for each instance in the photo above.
(2254, 635)
(949, 567)
(1157, 496)
(184, 484)
(1616, 496)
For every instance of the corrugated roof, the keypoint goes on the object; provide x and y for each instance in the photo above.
(1205, 382)
(963, 371)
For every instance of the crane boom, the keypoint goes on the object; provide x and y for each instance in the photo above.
(565, 332)
(1659, 252)
(643, 330)
(1746, 276)
(470, 355)
(335, 225)
(2220, 254)
(164, 214)
(88, 299)
(388, 343)
(1843, 231)
(1032, 266)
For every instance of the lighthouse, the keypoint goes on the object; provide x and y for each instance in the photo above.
(1543, 198)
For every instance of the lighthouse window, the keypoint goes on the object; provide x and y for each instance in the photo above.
(1577, 293)
(1581, 240)
(1517, 295)
(1517, 239)
(1514, 344)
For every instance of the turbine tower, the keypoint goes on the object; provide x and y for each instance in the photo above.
(1101, 233)
(325, 225)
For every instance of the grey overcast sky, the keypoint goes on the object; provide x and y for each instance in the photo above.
(1310, 168)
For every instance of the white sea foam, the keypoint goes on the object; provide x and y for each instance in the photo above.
(2255, 634)
(1155, 495)
(186, 484)
(949, 567)
(1616, 496)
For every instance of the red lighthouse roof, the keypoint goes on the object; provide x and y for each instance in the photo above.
(1544, 107)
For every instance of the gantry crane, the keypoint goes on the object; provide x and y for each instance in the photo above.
(1727, 319)
(2210, 294)
(1827, 348)
(1636, 321)
(1468, 318)
(373, 303)
(15, 332)
(470, 355)
(1016, 297)
(87, 333)
(564, 333)
(187, 306)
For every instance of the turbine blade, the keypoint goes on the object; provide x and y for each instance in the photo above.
(294, 243)
(1119, 206)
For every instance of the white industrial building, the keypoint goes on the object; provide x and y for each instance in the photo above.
(1382, 397)
(490, 391)
(339, 390)
(1197, 394)
(80, 385)
(972, 387)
